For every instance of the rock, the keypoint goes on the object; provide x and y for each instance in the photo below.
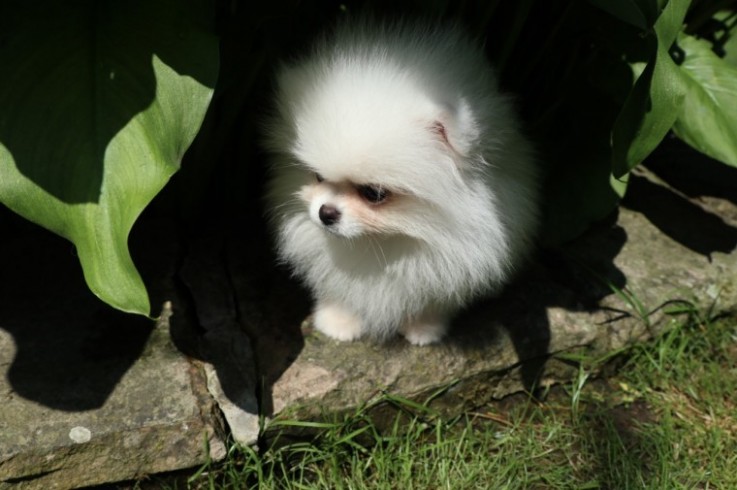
(241, 414)
(89, 395)
(157, 417)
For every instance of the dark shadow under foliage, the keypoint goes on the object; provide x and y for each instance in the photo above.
(680, 211)
(71, 349)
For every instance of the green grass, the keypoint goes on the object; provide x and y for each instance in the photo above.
(667, 419)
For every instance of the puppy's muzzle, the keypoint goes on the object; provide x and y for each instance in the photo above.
(329, 215)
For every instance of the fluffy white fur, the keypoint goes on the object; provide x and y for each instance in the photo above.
(413, 110)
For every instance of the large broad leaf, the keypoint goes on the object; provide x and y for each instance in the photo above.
(98, 102)
(656, 98)
(708, 117)
(730, 48)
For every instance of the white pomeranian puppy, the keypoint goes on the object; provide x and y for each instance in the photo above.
(401, 186)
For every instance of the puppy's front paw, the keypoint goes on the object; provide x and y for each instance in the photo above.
(423, 333)
(337, 323)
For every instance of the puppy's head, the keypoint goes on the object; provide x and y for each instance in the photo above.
(379, 153)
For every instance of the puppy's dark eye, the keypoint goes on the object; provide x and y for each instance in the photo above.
(319, 177)
(373, 193)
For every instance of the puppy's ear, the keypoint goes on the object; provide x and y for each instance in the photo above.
(456, 128)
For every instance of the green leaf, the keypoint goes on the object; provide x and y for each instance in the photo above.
(730, 48)
(654, 102)
(99, 100)
(707, 120)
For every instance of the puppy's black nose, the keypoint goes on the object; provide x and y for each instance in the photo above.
(329, 215)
